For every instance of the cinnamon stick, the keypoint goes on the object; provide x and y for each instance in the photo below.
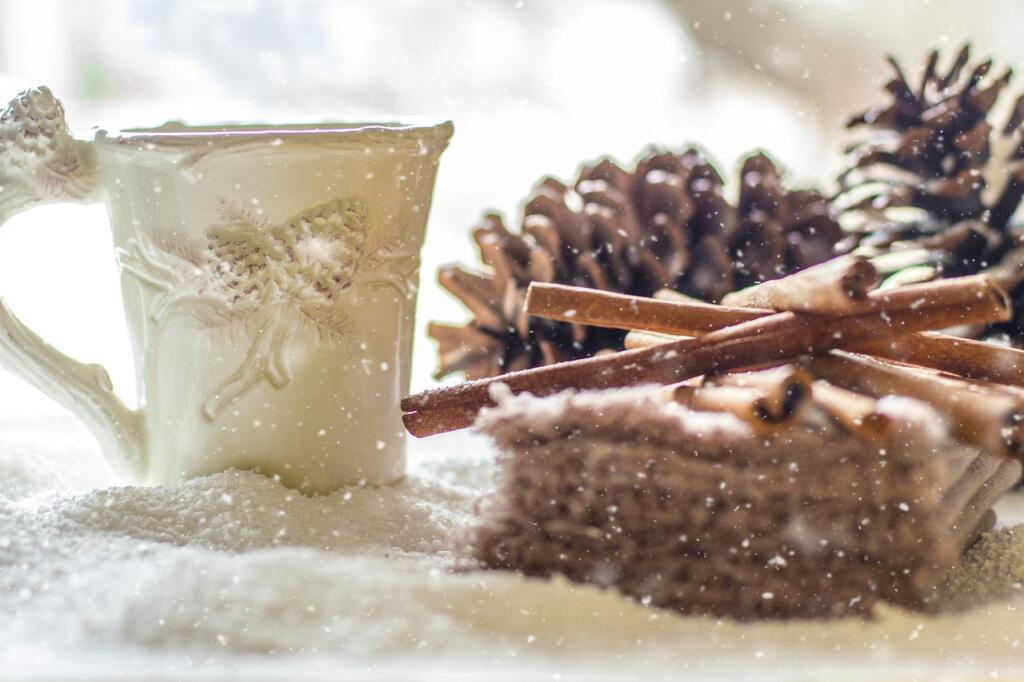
(853, 412)
(989, 419)
(749, 404)
(439, 420)
(581, 305)
(784, 388)
(774, 338)
(639, 339)
(839, 285)
(973, 359)
(965, 357)
(621, 311)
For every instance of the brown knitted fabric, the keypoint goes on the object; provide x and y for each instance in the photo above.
(666, 223)
(692, 511)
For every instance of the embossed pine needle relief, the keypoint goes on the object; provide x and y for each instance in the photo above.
(274, 280)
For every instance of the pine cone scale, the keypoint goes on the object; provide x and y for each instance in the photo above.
(666, 224)
(476, 293)
(464, 349)
(941, 140)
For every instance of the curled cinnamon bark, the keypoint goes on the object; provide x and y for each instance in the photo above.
(965, 357)
(973, 359)
(784, 389)
(439, 420)
(835, 286)
(774, 338)
(854, 412)
(990, 419)
(639, 339)
(749, 404)
(621, 311)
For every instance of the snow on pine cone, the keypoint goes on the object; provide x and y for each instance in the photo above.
(666, 223)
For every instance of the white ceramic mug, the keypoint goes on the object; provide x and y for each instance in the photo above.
(269, 276)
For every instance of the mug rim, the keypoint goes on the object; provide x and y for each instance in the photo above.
(176, 134)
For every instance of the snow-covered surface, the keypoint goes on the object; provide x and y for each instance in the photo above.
(235, 577)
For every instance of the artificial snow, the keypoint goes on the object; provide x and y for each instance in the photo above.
(234, 576)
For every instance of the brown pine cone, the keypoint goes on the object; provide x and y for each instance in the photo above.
(666, 224)
(935, 172)
(936, 133)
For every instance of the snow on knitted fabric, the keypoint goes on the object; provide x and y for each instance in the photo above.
(696, 512)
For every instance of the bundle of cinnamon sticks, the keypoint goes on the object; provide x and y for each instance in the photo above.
(824, 334)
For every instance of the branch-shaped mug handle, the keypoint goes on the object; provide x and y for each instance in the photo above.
(40, 163)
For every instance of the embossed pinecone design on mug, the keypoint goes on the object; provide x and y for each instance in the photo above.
(38, 154)
(274, 280)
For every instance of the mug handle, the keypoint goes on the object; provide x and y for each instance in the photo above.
(40, 163)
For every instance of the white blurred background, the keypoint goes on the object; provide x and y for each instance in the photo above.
(534, 88)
